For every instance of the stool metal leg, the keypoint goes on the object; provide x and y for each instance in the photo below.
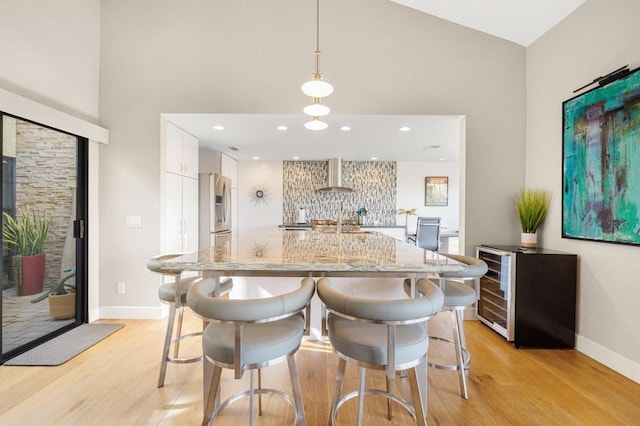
(420, 409)
(342, 364)
(297, 392)
(251, 392)
(259, 395)
(457, 337)
(389, 406)
(363, 372)
(214, 390)
(176, 349)
(167, 343)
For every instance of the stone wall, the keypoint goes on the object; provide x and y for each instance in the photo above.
(45, 181)
(373, 184)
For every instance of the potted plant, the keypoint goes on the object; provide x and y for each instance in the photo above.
(532, 208)
(361, 213)
(62, 297)
(27, 234)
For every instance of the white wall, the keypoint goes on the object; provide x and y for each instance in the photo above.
(599, 37)
(51, 55)
(411, 191)
(266, 175)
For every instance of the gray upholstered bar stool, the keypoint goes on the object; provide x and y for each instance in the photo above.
(174, 293)
(249, 334)
(382, 334)
(457, 297)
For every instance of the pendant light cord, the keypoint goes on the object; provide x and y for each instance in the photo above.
(317, 75)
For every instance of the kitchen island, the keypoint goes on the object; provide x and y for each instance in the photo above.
(302, 253)
(312, 253)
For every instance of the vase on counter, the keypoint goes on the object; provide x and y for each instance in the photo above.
(529, 239)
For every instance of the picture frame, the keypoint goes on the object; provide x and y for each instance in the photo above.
(600, 163)
(436, 191)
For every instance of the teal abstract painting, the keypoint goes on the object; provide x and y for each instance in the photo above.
(601, 163)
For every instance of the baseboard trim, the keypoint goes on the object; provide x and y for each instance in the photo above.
(609, 358)
(131, 312)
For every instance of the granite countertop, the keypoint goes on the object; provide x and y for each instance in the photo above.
(307, 252)
(308, 226)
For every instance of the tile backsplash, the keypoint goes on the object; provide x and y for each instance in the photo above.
(373, 184)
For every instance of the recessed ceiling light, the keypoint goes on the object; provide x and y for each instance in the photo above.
(218, 127)
(405, 128)
(296, 157)
(374, 158)
(345, 128)
(281, 127)
(255, 158)
(442, 159)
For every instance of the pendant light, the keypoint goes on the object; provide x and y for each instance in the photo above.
(317, 88)
(316, 109)
(316, 124)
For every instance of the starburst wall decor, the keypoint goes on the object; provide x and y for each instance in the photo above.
(260, 194)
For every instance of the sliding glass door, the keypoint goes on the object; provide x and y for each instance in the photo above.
(43, 233)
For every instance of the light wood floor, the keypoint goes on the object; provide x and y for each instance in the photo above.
(114, 383)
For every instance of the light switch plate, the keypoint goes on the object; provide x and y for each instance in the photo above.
(133, 221)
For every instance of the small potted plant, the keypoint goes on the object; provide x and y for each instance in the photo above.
(532, 207)
(361, 213)
(62, 296)
(27, 234)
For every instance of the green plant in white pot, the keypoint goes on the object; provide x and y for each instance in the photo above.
(532, 207)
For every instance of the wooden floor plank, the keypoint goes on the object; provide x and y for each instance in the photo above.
(114, 382)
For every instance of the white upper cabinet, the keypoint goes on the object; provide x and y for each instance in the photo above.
(190, 155)
(181, 152)
(180, 191)
(229, 168)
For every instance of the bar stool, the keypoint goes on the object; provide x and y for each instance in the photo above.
(174, 293)
(457, 297)
(250, 334)
(381, 334)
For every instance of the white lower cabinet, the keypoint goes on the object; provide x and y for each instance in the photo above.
(181, 214)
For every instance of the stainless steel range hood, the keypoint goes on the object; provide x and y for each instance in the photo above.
(334, 177)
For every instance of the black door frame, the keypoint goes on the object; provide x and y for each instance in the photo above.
(81, 228)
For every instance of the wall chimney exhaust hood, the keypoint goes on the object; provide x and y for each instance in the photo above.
(334, 177)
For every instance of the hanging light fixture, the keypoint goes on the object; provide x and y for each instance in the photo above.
(316, 109)
(316, 87)
(316, 124)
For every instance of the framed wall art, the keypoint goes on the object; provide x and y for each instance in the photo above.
(436, 191)
(601, 163)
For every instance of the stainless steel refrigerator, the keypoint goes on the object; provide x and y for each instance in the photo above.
(215, 207)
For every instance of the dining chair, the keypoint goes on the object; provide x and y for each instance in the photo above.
(250, 334)
(382, 334)
(173, 291)
(428, 236)
(457, 297)
(411, 238)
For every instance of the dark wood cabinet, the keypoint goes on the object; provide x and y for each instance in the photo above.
(528, 295)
